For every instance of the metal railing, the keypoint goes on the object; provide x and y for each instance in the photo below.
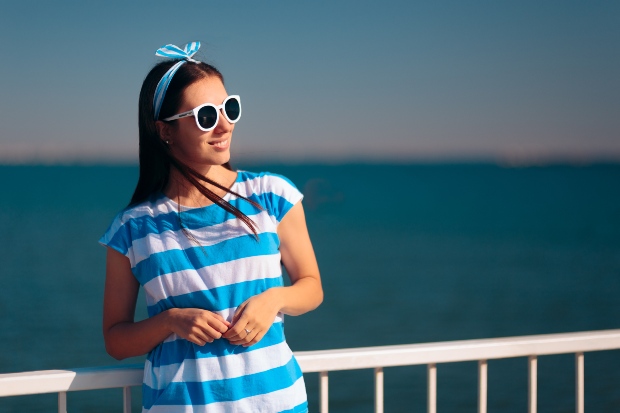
(377, 358)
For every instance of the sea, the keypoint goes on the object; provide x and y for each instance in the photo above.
(408, 253)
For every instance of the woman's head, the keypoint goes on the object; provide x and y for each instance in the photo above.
(191, 81)
(188, 138)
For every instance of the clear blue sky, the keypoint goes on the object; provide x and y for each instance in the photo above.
(324, 80)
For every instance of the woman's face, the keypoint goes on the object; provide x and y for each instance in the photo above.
(191, 144)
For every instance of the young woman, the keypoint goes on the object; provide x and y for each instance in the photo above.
(207, 244)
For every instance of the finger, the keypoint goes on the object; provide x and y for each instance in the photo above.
(251, 338)
(237, 336)
(258, 338)
(214, 320)
(197, 340)
(239, 333)
(239, 312)
(219, 325)
(237, 328)
(212, 324)
(211, 332)
(197, 333)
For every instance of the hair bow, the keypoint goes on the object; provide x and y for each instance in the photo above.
(175, 52)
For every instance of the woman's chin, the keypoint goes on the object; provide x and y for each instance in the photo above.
(205, 159)
(222, 158)
(220, 154)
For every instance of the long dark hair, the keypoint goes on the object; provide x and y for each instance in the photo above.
(155, 157)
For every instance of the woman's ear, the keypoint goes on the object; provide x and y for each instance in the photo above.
(164, 130)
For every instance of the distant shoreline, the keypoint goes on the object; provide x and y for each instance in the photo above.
(241, 161)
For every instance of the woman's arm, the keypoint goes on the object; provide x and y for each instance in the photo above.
(304, 294)
(126, 338)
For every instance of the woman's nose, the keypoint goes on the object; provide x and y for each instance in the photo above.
(223, 125)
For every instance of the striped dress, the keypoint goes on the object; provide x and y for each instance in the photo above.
(229, 266)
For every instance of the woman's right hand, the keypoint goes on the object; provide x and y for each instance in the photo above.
(196, 325)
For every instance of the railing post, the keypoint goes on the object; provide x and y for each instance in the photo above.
(323, 392)
(62, 402)
(579, 383)
(126, 399)
(379, 390)
(482, 386)
(532, 381)
(432, 388)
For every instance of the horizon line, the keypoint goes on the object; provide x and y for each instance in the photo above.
(499, 160)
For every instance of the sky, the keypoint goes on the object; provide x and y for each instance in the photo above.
(510, 81)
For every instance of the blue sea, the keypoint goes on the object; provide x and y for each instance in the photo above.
(408, 253)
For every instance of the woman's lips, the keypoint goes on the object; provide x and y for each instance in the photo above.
(220, 144)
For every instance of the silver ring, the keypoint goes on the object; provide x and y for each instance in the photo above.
(247, 331)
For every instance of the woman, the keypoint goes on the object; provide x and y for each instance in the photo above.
(206, 243)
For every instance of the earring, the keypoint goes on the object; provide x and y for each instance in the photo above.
(167, 142)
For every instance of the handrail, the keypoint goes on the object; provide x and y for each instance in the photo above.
(55, 381)
(322, 361)
(457, 351)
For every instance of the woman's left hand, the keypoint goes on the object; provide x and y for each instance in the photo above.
(255, 315)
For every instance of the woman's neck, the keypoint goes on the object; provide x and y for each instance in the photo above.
(185, 193)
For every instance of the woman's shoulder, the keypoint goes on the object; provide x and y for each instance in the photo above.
(154, 205)
(150, 208)
(265, 181)
(275, 192)
(136, 221)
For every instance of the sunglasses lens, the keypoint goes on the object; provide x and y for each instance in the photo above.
(233, 109)
(207, 117)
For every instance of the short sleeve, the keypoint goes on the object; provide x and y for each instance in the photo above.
(280, 194)
(117, 236)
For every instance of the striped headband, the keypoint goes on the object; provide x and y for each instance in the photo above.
(176, 53)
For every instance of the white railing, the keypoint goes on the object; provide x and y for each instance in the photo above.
(323, 361)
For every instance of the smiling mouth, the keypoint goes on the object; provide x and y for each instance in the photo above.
(220, 144)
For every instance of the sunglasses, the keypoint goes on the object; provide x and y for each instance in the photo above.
(208, 114)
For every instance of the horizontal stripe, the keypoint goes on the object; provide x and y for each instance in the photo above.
(218, 298)
(289, 399)
(274, 192)
(174, 352)
(198, 257)
(218, 368)
(226, 390)
(168, 220)
(177, 239)
(213, 276)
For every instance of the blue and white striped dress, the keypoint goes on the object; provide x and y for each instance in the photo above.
(228, 267)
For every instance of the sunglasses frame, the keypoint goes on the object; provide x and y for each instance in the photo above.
(218, 109)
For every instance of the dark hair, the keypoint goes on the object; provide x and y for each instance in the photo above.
(155, 157)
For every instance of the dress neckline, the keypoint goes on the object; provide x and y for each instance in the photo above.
(181, 207)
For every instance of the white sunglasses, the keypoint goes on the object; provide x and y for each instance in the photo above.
(208, 115)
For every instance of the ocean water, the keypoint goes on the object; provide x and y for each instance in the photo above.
(408, 254)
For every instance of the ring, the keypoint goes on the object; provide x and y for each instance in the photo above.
(247, 331)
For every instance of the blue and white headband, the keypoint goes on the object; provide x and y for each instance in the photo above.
(173, 52)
